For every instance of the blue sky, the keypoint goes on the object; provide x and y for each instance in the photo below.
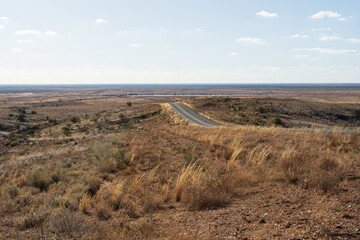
(188, 41)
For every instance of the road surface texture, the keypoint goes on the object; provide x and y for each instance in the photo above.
(192, 116)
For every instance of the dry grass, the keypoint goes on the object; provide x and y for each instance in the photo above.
(121, 180)
(268, 153)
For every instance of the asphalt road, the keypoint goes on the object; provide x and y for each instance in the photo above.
(192, 116)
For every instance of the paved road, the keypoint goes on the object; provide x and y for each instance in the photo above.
(192, 116)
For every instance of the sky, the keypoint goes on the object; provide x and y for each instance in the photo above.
(187, 41)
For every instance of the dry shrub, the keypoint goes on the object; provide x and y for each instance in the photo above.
(201, 196)
(187, 176)
(39, 178)
(258, 156)
(12, 190)
(165, 189)
(197, 193)
(131, 195)
(237, 179)
(232, 161)
(354, 141)
(84, 203)
(33, 220)
(140, 229)
(66, 224)
(103, 213)
(109, 158)
(326, 173)
(332, 140)
(292, 163)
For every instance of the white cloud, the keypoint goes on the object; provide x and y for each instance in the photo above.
(299, 36)
(354, 40)
(250, 39)
(50, 33)
(323, 14)
(331, 51)
(199, 30)
(264, 13)
(25, 41)
(343, 19)
(320, 29)
(329, 38)
(28, 32)
(136, 45)
(17, 50)
(2, 26)
(4, 18)
(233, 53)
(100, 20)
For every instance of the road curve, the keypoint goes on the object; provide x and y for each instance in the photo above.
(192, 116)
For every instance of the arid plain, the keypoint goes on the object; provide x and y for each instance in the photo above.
(115, 163)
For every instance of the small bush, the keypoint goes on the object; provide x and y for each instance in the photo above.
(39, 178)
(12, 190)
(103, 213)
(75, 120)
(261, 110)
(66, 224)
(129, 104)
(22, 110)
(33, 220)
(56, 175)
(202, 197)
(21, 117)
(356, 113)
(109, 159)
(67, 131)
(277, 121)
(239, 108)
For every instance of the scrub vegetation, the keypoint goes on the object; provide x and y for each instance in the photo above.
(139, 171)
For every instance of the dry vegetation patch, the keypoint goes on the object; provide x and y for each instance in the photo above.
(126, 172)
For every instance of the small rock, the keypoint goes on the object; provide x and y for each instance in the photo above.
(262, 221)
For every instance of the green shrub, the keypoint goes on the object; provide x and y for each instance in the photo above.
(259, 121)
(21, 117)
(277, 121)
(67, 131)
(261, 110)
(239, 108)
(75, 120)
